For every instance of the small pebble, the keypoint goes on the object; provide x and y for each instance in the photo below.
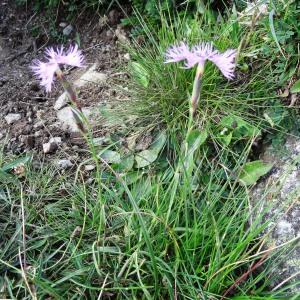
(89, 167)
(56, 139)
(67, 30)
(49, 147)
(63, 24)
(64, 164)
(12, 118)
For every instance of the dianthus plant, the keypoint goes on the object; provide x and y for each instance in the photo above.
(198, 55)
(46, 72)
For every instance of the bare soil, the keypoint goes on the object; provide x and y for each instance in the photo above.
(24, 35)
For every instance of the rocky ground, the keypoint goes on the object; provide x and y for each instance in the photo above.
(276, 199)
(30, 118)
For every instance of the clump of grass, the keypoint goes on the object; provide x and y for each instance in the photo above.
(160, 92)
(181, 231)
(165, 236)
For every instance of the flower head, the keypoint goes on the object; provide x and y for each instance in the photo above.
(199, 54)
(45, 71)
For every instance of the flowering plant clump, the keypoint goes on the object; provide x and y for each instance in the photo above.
(198, 55)
(46, 71)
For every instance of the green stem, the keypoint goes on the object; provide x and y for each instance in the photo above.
(196, 89)
(77, 113)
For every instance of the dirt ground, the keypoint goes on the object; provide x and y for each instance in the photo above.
(24, 35)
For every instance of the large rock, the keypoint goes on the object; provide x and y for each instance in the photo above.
(277, 199)
(90, 76)
(66, 117)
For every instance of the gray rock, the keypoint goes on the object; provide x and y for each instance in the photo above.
(90, 76)
(276, 200)
(66, 117)
(61, 101)
(89, 167)
(49, 147)
(12, 118)
(56, 139)
(64, 163)
(67, 30)
(38, 124)
(63, 24)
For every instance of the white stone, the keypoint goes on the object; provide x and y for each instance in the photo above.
(49, 147)
(64, 163)
(284, 228)
(67, 30)
(11, 118)
(89, 167)
(38, 124)
(66, 117)
(91, 76)
(127, 56)
(56, 139)
(61, 101)
(63, 24)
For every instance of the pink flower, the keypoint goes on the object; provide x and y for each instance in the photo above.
(199, 54)
(45, 71)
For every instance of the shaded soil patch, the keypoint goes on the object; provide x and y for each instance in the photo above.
(20, 92)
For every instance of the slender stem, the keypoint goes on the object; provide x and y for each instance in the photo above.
(77, 113)
(196, 89)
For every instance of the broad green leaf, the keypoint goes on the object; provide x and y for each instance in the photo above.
(296, 87)
(140, 73)
(225, 138)
(126, 163)
(195, 139)
(240, 128)
(132, 177)
(253, 170)
(6, 177)
(111, 157)
(159, 142)
(275, 114)
(15, 163)
(145, 158)
(271, 22)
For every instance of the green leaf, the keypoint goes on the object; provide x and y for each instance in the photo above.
(271, 22)
(240, 128)
(126, 163)
(132, 177)
(15, 163)
(253, 170)
(296, 87)
(253, 298)
(140, 73)
(195, 139)
(6, 177)
(111, 157)
(158, 143)
(145, 158)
